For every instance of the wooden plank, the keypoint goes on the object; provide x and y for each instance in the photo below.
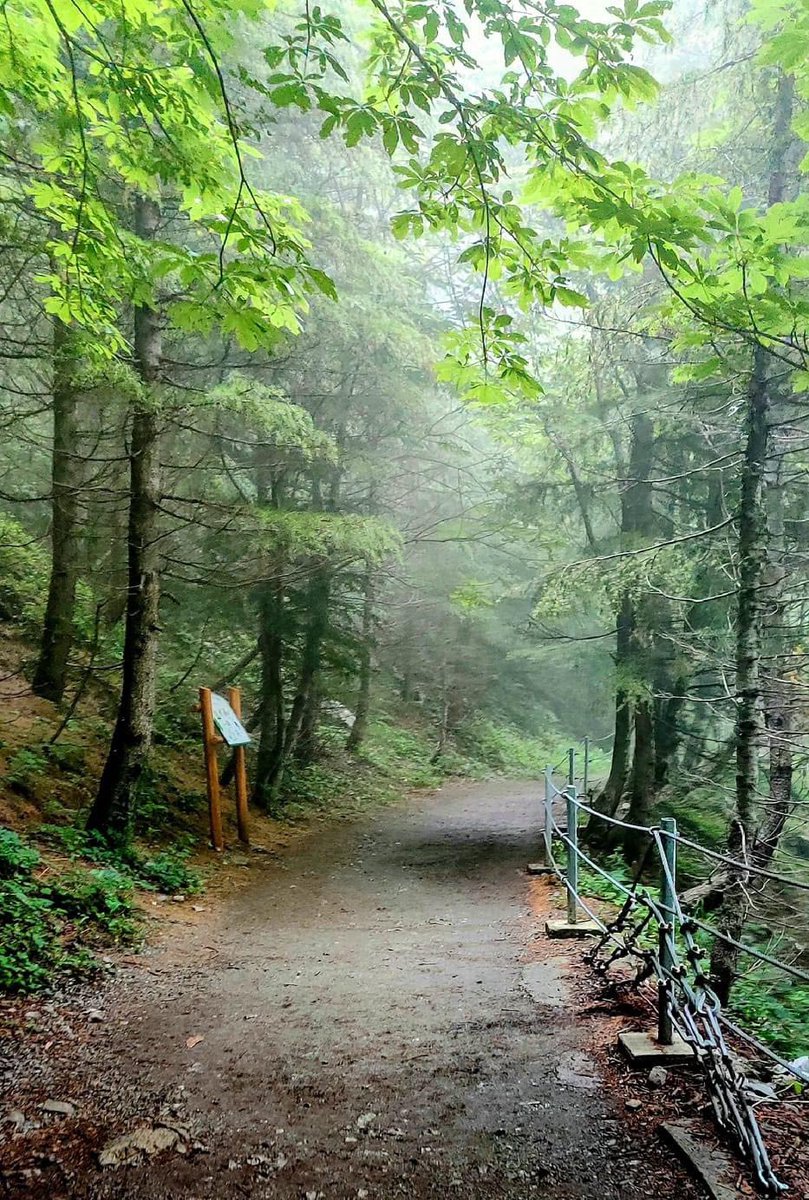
(240, 772)
(210, 740)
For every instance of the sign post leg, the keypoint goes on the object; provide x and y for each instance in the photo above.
(240, 772)
(210, 741)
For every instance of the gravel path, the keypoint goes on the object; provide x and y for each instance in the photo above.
(371, 1026)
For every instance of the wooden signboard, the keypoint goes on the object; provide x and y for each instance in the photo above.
(222, 725)
(227, 721)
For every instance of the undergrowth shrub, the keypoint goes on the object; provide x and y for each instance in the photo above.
(774, 1007)
(30, 949)
(504, 748)
(52, 922)
(15, 857)
(99, 902)
(158, 802)
(25, 767)
(166, 871)
(592, 883)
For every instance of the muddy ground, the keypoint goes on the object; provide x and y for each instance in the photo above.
(368, 1017)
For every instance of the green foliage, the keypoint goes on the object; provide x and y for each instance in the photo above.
(593, 883)
(774, 1008)
(51, 923)
(511, 751)
(24, 568)
(162, 123)
(324, 534)
(16, 858)
(97, 902)
(284, 425)
(401, 754)
(506, 748)
(73, 840)
(31, 952)
(702, 813)
(25, 765)
(166, 871)
(24, 574)
(159, 801)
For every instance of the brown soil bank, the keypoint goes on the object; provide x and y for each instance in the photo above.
(361, 1021)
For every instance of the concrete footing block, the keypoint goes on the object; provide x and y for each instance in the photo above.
(538, 868)
(710, 1164)
(643, 1051)
(564, 929)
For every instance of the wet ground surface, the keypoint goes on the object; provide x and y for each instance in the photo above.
(366, 1019)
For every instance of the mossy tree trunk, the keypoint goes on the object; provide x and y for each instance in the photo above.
(113, 808)
(50, 674)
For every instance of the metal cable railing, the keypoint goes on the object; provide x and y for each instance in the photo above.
(661, 937)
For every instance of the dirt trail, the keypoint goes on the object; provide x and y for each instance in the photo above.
(372, 1027)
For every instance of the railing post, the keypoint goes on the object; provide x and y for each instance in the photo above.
(572, 851)
(548, 812)
(586, 774)
(571, 762)
(668, 884)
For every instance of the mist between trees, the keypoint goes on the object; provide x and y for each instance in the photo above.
(430, 360)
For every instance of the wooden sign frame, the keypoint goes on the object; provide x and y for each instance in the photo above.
(211, 742)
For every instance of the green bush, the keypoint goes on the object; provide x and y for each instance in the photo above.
(15, 857)
(67, 756)
(71, 839)
(24, 766)
(30, 949)
(98, 901)
(24, 570)
(775, 1008)
(592, 883)
(158, 801)
(167, 871)
(49, 926)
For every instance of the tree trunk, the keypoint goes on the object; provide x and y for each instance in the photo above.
(670, 692)
(752, 563)
(113, 809)
(641, 792)
(363, 706)
(753, 540)
(280, 735)
(273, 716)
(637, 524)
(306, 695)
(598, 833)
(306, 745)
(50, 675)
(778, 689)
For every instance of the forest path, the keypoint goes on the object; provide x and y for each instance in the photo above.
(373, 1026)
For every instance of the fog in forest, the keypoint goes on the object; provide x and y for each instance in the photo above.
(436, 376)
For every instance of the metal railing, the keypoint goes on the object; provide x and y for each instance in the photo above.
(654, 930)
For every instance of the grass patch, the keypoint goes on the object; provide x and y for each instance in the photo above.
(511, 751)
(401, 754)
